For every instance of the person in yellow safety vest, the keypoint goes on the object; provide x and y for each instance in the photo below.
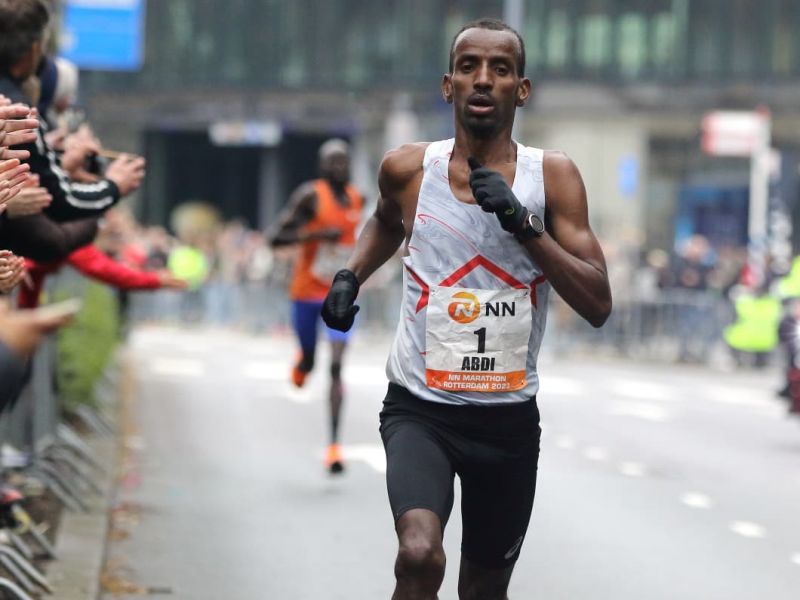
(755, 330)
(789, 286)
(190, 264)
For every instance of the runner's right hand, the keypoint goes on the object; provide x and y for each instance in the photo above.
(339, 310)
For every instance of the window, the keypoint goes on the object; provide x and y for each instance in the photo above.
(558, 40)
(594, 41)
(631, 47)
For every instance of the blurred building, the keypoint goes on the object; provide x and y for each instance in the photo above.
(234, 96)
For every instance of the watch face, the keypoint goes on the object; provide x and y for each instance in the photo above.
(536, 224)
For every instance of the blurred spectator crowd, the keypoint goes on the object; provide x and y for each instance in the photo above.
(57, 186)
(60, 189)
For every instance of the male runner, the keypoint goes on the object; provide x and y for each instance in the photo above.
(489, 225)
(322, 217)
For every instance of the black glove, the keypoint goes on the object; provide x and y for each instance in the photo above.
(338, 310)
(493, 195)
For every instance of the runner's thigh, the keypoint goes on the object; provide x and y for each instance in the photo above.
(418, 470)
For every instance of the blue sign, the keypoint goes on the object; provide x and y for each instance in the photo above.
(628, 176)
(103, 34)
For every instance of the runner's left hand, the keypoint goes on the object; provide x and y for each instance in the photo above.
(493, 195)
(339, 310)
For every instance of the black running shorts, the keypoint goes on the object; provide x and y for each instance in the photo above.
(493, 449)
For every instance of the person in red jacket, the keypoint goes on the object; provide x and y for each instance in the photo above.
(94, 263)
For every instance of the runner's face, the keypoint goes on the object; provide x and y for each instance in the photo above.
(336, 167)
(484, 86)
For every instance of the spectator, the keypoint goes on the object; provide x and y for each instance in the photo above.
(23, 26)
(20, 334)
(693, 264)
(34, 235)
(696, 317)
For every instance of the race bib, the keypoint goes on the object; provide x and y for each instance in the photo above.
(477, 340)
(330, 258)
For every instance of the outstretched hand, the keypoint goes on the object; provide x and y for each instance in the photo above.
(23, 330)
(339, 309)
(169, 282)
(493, 195)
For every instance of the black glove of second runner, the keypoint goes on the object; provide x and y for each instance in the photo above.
(339, 310)
(493, 195)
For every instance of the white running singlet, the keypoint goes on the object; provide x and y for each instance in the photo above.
(474, 301)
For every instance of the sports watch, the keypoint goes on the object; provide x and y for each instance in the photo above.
(533, 228)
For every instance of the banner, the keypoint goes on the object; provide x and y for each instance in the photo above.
(105, 35)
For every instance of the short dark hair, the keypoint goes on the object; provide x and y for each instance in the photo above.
(493, 25)
(22, 22)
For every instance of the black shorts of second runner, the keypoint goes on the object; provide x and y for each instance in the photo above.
(493, 449)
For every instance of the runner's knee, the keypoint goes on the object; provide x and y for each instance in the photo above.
(420, 558)
(336, 370)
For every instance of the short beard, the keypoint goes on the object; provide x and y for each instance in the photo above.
(482, 131)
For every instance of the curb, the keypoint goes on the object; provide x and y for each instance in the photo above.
(81, 539)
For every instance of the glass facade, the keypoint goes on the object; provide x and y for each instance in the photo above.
(357, 44)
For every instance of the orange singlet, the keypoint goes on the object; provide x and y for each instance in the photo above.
(319, 261)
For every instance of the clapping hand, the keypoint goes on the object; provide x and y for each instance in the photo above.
(18, 125)
(12, 271)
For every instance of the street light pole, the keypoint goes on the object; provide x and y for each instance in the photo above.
(514, 13)
(514, 16)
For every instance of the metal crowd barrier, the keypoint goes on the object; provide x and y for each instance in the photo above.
(672, 325)
(41, 455)
(675, 325)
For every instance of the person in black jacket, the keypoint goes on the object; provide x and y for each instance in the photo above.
(23, 25)
(35, 236)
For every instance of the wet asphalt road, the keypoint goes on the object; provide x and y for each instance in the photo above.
(655, 483)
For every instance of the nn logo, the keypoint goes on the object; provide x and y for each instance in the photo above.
(466, 307)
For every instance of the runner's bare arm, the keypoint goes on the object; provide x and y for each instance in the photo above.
(298, 213)
(568, 252)
(388, 226)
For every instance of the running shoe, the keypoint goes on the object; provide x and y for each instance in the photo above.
(334, 461)
(298, 376)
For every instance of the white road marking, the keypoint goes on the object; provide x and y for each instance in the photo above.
(697, 500)
(270, 371)
(796, 559)
(298, 395)
(748, 529)
(565, 442)
(632, 469)
(135, 442)
(372, 454)
(182, 367)
(561, 386)
(192, 347)
(642, 390)
(364, 374)
(596, 453)
(641, 410)
(738, 397)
